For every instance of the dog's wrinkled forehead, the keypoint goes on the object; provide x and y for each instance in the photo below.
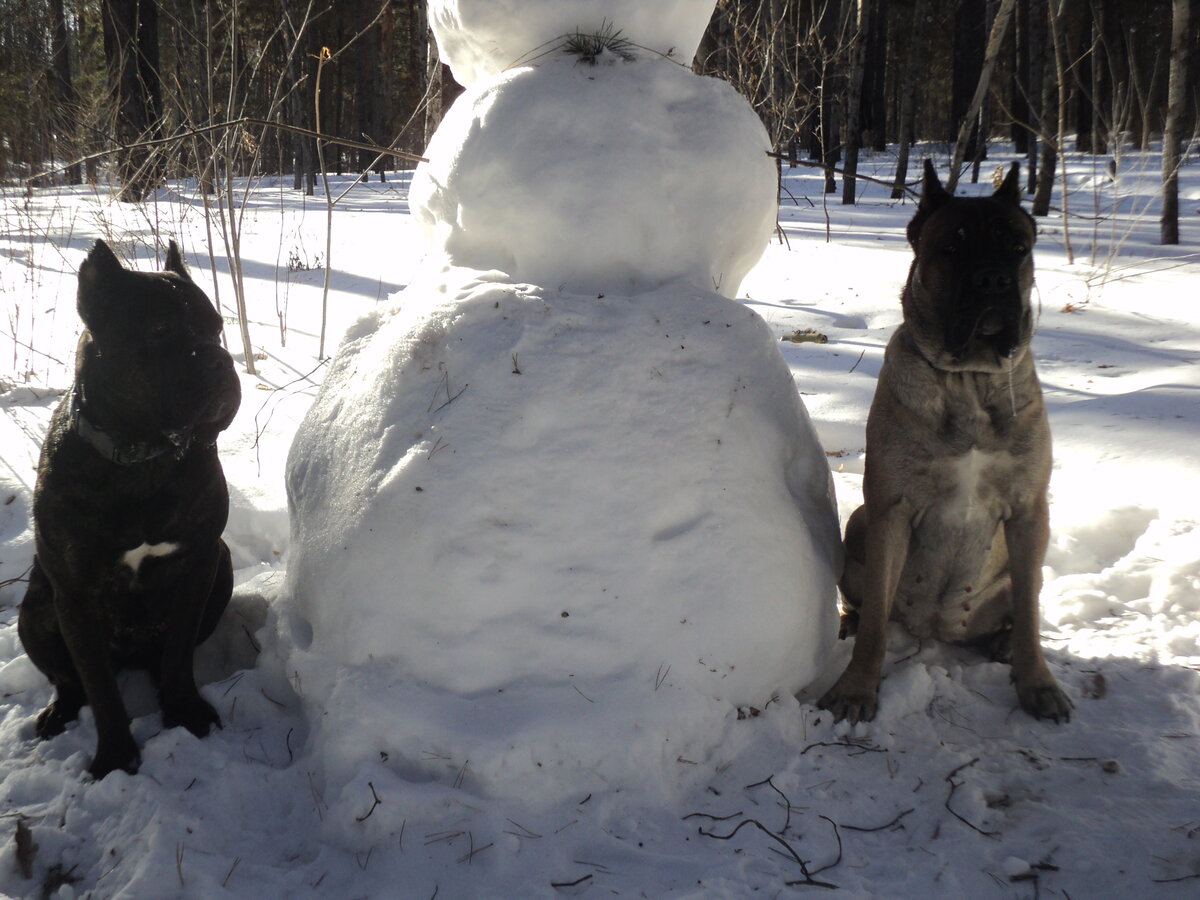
(177, 295)
(111, 296)
(982, 222)
(997, 221)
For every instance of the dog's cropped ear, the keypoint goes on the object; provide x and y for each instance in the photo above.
(98, 275)
(1010, 189)
(933, 194)
(175, 261)
(933, 197)
(100, 261)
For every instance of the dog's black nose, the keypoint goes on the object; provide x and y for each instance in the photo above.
(212, 357)
(991, 281)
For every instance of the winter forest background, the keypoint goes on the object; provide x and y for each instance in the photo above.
(273, 139)
(227, 88)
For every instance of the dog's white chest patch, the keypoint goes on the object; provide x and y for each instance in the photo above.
(971, 465)
(973, 489)
(134, 558)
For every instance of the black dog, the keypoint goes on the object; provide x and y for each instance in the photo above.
(953, 531)
(130, 503)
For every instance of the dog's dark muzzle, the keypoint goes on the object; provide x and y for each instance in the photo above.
(211, 357)
(990, 312)
(992, 282)
(215, 371)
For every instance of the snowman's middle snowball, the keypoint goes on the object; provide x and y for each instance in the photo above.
(616, 177)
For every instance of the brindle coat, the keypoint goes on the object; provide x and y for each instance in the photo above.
(130, 504)
(953, 531)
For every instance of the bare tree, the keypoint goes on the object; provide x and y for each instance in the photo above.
(1176, 94)
(908, 91)
(131, 53)
(859, 11)
(995, 40)
(62, 90)
(1056, 10)
(1045, 87)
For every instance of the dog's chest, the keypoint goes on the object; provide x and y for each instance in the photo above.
(971, 487)
(950, 578)
(132, 559)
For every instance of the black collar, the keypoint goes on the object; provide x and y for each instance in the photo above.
(123, 454)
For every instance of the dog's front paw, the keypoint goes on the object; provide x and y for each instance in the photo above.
(124, 756)
(851, 700)
(195, 714)
(1045, 700)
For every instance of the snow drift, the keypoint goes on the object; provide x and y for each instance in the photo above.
(503, 489)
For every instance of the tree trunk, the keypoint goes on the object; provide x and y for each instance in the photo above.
(1081, 52)
(1047, 117)
(908, 93)
(1173, 123)
(62, 92)
(1100, 64)
(1021, 106)
(995, 41)
(969, 39)
(860, 10)
(875, 69)
(827, 90)
(773, 63)
(304, 154)
(1035, 28)
(1058, 37)
(131, 56)
(433, 79)
(368, 100)
(387, 93)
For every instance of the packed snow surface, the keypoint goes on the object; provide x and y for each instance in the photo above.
(616, 177)
(951, 792)
(480, 38)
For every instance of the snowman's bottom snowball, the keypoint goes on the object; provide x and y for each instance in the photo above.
(553, 512)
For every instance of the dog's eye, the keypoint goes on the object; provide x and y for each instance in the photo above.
(1020, 249)
(949, 249)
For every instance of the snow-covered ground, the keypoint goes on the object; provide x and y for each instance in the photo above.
(951, 792)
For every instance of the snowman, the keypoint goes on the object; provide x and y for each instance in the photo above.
(565, 488)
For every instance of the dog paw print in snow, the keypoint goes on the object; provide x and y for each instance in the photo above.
(652, 470)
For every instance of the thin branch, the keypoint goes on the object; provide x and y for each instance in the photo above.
(712, 818)
(847, 745)
(883, 827)
(1175, 880)
(808, 163)
(790, 854)
(837, 862)
(376, 803)
(954, 786)
(567, 884)
(787, 804)
(230, 123)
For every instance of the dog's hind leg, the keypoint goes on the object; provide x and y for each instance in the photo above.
(853, 572)
(853, 696)
(37, 626)
(69, 660)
